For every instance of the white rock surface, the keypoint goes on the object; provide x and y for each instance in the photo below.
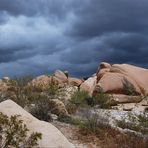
(51, 136)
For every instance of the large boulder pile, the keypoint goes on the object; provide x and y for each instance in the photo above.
(114, 79)
(51, 136)
(125, 83)
(59, 77)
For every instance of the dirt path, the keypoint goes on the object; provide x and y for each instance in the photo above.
(71, 132)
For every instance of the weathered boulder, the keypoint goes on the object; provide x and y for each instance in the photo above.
(114, 79)
(66, 92)
(120, 99)
(51, 136)
(3, 86)
(5, 79)
(89, 85)
(117, 83)
(137, 74)
(101, 73)
(102, 69)
(60, 75)
(41, 81)
(58, 107)
(105, 65)
(75, 81)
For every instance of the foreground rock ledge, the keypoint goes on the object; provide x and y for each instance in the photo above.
(51, 136)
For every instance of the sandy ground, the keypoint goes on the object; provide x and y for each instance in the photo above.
(71, 132)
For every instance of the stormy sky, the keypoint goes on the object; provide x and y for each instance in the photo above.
(40, 36)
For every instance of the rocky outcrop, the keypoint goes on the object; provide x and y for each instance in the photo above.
(113, 79)
(138, 74)
(75, 81)
(89, 85)
(3, 86)
(5, 79)
(61, 76)
(117, 83)
(58, 107)
(51, 136)
(42, 80)
(65, 93)
(120, 99)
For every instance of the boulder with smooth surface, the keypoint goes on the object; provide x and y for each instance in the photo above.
(117, 83)
(137, 74)
(61, 75)
(51, 136)
(75, 81)
(89, 85)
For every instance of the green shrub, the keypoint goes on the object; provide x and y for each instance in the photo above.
(19, 90)
(128, 88)
(13, 133)
(103, 100)
(78, 99)
(52, 89)
(25, 94)
(82, 99)
(70, 120)
(42, 108)
(93, 123)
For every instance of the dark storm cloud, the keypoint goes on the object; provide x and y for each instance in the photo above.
(50, 8)
(40, 36)
(101, 16)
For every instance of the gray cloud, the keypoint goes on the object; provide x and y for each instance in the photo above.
(40, 36)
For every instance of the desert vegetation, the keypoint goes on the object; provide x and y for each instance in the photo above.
(137, 123)
(13, 133)
(82, 112)
(128, 88)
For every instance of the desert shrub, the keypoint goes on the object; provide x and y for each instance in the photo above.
(19, 90)
(42, 108)
(20, 81)
(13, 133)
(82, 99)
(79, 97)
(103, 100)
(42, 101)
(25, 94)
(77, 100)
(70, 120)
(52, 89)
(128, 88)
(93, 124)
(95, 127)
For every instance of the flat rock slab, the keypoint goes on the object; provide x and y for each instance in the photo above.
(126, 99)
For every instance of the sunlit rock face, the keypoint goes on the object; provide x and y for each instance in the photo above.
(51, 136)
